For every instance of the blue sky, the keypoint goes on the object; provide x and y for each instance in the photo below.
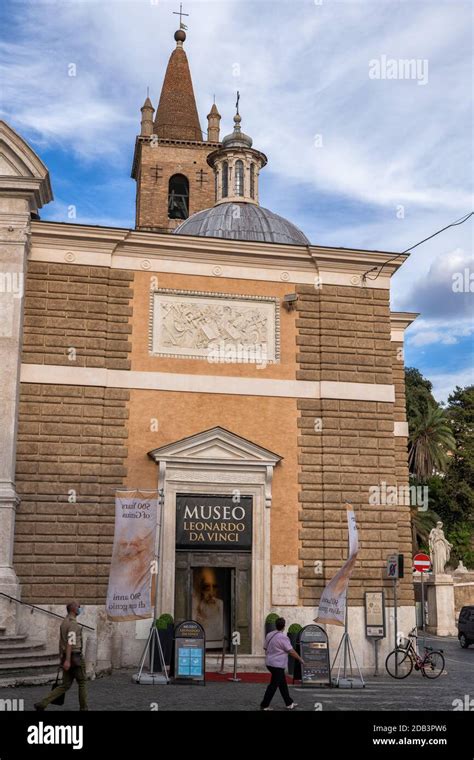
(356, 161)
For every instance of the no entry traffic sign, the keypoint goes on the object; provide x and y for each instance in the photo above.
(422, 563)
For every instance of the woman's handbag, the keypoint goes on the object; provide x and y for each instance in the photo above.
(59, 700)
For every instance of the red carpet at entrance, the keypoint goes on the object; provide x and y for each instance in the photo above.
(244, 677)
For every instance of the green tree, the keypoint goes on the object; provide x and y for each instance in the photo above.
(418, 394)
(442, 459)
(430, 440)
(455, 497)
(421, 524)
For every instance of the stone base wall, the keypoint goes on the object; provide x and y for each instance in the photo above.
(114, 645)
(463, 591)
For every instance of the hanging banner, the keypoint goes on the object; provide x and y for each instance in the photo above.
(332, 605)
(133, 564)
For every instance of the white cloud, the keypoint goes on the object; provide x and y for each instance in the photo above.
(446, 290)
(302, 71)
(431, 336)
(445, 383)
(300, 74)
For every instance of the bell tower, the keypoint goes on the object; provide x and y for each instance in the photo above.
(170, 165)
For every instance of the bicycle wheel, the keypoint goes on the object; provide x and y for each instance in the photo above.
(399, 664)
(433, 665)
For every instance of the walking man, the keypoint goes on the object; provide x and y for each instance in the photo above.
(71, 658)
(277, 647)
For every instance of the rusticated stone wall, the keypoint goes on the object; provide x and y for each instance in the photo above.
(345, 447)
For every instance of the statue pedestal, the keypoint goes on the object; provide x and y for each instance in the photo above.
(440, 596)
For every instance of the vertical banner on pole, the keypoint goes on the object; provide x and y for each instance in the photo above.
(129, 594)
(332, 605)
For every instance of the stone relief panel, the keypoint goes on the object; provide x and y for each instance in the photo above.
(218, 327)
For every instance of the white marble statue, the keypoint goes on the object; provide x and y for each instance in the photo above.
(440, 549)
(461, 568)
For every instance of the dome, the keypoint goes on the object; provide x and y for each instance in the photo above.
(237, 139)
(253, 223)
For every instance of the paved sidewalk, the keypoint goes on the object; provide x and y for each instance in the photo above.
(118, 692)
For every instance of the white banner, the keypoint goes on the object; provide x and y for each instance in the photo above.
(332, 605)
(133, 565)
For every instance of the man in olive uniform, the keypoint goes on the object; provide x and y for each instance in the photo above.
(72, 660)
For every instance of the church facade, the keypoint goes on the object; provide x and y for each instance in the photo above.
(215, 354)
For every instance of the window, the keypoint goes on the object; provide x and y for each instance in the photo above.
(178, 197)
(239, 177)
(252, 180)
(225, 179)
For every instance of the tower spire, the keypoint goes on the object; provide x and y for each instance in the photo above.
(170, 165)
(147, 115)
(213, 121)
(177, 117)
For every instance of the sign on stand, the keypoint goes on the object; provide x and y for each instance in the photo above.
(375, 621)
(375, 614)
(314, 650)
(190, 653)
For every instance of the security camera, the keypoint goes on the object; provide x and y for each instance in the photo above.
(289, 301)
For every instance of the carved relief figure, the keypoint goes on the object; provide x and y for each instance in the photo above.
(197, 325)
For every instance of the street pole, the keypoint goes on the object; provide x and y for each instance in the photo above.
(236, 642)
(422, 603)
(395, 622)
(376, 653)
(395, 617)
(346, 631)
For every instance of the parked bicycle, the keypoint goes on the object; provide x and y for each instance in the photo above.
(401, 661)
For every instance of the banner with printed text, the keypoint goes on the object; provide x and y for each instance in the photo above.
(332, 605)
(133, 565)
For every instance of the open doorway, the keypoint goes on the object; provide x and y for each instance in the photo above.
(212, 603)
(215, 589)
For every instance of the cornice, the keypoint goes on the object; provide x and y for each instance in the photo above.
(154, 247)
(401, 320)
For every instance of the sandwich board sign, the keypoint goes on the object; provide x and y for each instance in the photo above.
(190, 653)
(314, 649)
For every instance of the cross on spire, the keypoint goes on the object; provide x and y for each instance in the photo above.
(181, 14)
(237, 103)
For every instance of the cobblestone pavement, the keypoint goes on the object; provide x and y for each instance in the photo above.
(118, 692)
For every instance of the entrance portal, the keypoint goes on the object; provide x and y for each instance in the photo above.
(213, 565)
(217, 507)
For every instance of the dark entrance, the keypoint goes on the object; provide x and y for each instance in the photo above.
(214, 588)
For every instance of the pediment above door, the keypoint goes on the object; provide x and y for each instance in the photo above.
(214, 446)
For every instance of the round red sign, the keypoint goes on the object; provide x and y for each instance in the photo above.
(422, 563)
